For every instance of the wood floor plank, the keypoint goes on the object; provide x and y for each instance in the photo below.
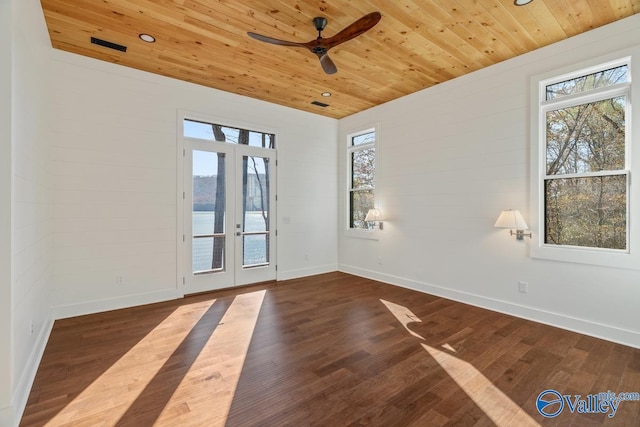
(327, 350)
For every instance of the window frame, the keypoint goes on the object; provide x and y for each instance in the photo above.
(350, 149)
(622, 258)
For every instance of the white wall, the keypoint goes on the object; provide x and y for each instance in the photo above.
(450, 159)
(114, 164)
(31, 236)
(6, 12)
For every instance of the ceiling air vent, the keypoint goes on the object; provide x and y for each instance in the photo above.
(110, 45)
(320, 104)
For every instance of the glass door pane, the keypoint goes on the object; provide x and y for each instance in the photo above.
(208, 212)
(255, 211)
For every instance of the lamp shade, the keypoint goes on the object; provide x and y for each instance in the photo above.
(511, 219)
(373, 215)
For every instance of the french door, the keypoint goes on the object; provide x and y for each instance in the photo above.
(229, 204)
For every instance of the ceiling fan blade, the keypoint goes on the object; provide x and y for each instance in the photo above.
(354, 30)
(327, 64)
(275, 41)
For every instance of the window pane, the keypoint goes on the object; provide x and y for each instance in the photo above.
(362, 180)
(591, 81)
(213, 132)
(365, 138)
(208, 210)
(589, 212)
(586, 138)
(255, 249)
(360, 203)
(193, 129)
(255, 190)
(208, 192)
(203, 258)
(255, 210)
(363, 168)
(264, 140)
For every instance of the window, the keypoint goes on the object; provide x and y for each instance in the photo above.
(585, 179)
(361, 158)
(212, 132)
(582, 153)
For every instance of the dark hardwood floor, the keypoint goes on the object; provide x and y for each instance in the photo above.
(327, 350)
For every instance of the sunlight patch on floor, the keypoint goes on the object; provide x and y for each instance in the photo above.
(493, 402)
(205, 394)
(122, 383)
(446, 346)
(404, 315)
(489, 398)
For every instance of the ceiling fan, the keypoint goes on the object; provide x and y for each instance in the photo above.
(321, 46)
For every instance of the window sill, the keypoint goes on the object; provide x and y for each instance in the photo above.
(612, 259)
(363, 234)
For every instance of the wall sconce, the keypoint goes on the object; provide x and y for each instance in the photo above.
(374, 215)
(513, 219)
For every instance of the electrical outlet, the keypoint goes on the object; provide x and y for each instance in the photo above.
(379, 260)
(306, 257)
(119, 280)
(523, 287)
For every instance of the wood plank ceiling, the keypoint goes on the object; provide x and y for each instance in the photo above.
(417, 44)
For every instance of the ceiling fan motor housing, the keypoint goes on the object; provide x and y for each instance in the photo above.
(320, 23)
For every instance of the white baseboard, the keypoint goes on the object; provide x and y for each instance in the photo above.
(25, 382)
(304, 272)
(586, 327)
(98, 306)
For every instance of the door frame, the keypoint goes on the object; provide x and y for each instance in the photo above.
(181, 268)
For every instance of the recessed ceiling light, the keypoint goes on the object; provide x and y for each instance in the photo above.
(147, 38)
(326, 94)
(521, 2)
